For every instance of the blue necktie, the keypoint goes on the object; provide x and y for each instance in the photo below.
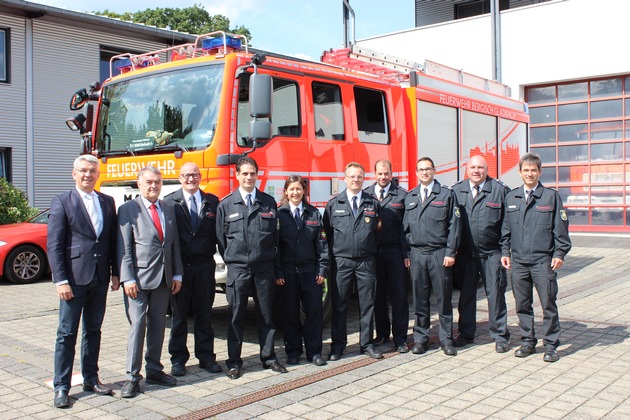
(249, 201)
(194, 213)
(296, 216)
(355, 208)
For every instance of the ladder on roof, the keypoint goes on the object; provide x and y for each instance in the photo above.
(402, 70)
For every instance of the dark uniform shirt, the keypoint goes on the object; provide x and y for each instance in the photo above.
(351, 237)
(201, 244)
(391, 215)
(535, 230)
(304, 248)
(482, 217)
(434, 224)
(245, 238)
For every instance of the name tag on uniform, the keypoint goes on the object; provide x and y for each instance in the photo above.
(512, 206)
(495, 205)
(340, 211)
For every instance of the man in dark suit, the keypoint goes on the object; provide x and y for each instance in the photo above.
(82, 256)
(196, 223)
(150, 271)
(391, 260)
(248, 238)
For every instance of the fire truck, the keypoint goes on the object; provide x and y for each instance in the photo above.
(215, 100)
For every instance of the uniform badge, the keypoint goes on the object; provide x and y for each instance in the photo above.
(322, 234)
(367, 220)
(563, 215)
(379, 225)
(457, 212)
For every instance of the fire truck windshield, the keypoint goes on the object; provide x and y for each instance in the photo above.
(175, 109)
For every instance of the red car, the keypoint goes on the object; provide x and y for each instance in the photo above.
(23, 250)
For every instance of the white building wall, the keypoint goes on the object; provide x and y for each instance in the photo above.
(546, 42)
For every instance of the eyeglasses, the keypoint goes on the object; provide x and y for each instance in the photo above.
(193, 176)
(424, 169)
(357, 177)
(87, 171)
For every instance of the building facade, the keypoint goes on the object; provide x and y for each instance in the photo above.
(46, 54)
(563, 57)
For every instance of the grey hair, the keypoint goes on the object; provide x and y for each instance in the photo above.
(151, 169)
(85, 158)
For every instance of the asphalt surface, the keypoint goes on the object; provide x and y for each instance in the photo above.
(590, 381)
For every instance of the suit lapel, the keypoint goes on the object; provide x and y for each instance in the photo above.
(82, 210)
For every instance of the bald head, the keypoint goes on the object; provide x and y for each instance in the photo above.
(189, 177)
(477, 170)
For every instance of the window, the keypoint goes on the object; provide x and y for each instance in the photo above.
(371, 116)
(106, 54)
(286, 115)
(4, 55)
(477, 7)
(5, 159)
(327, 111)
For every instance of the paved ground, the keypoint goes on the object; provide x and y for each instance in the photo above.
(591, 380)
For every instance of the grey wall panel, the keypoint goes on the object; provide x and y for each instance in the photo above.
(12, 105)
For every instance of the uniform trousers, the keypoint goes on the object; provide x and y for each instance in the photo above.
(198, 289)
(524, 278)
(302, 287)
(89, 301)
(494, 281)
(428, 273)
(147, 316)
(243, 282)
(391, 284)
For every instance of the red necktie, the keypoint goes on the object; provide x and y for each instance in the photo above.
(156, 221)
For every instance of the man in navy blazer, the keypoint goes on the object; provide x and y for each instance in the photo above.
(150, 271)
(82, 256)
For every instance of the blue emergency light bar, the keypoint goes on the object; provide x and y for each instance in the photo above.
(214, 43)
(123, 64)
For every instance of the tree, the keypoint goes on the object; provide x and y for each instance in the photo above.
(13, 204)
(193, 20)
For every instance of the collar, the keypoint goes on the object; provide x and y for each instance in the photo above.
(83, 194)
(430, 187)
(147, 203)
(187, 196)
(244, 193)
(472, 186)
(292, 208)
(377, 189)
(349, 195)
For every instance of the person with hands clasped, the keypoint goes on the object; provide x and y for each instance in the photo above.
(301, 269)
(534, 242)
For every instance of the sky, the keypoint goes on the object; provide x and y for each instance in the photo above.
(300, 28)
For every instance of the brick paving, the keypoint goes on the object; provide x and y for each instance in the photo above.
(591, 380)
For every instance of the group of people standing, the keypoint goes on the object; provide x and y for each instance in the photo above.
(162, 252)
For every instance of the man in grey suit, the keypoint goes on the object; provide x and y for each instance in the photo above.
(150, 271)
(82, 257)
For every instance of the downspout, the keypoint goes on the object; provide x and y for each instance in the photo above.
(29, 120)
(495, 16)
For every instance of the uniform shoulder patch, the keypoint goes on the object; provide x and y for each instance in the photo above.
(563, 215)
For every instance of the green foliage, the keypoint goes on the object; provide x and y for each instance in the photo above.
(13, 204)
(193, 20)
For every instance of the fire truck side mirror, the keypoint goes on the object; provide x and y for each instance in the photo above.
(260, 92)
(79, 98)
(259, 129)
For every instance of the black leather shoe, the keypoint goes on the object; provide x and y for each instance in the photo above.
(551, 355)
(420, 348)
(293, 360)
(372, 352)
(333, 357)
(318, 360)
(463, 341)
(212, 367)
(402, 349)
(161, 378)
(130, 389)
(62, 400)
(178, 369)
(380, 340)
(233, 373)
(501, 347)
(276, 367)
(98, 388)
(525, 351)
(449, 350)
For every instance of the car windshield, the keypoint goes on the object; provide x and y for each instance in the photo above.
(176, 109)
(41, 218)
